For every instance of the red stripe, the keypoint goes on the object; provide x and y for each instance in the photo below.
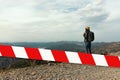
(59, 56)
(86, 58)
(6, 51)
(113, 61)
(33, 53)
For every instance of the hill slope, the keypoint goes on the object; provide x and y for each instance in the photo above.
(65, 71)
(61, 71)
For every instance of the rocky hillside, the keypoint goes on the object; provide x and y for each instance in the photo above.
(61, 71)
(107, 48)
(112, 47)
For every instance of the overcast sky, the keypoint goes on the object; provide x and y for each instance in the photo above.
(58, 20)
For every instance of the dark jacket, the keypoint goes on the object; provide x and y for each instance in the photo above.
(88, 36)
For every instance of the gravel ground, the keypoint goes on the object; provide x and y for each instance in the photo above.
(61, 71)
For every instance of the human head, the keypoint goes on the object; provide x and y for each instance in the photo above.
(87, 28)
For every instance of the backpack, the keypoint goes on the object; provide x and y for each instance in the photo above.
(91, 36)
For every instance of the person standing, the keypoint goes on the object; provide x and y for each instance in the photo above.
(88, 38)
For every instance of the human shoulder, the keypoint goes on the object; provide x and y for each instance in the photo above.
(91, 32)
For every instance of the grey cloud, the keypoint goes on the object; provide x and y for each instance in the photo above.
(45, 20)
(93, 13)
(96, 19)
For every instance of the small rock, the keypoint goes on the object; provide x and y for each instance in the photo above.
(33, 73)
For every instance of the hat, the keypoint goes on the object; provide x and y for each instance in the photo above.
(87, 28)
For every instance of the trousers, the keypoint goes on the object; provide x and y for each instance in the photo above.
(88, 46)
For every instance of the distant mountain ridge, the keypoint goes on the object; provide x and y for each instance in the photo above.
(97, 47)
(69, 45)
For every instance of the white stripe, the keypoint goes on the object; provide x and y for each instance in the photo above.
(0, 54)
(100, 60)
(73, 57)
(119, 58)
(46, 54)
(20, 52)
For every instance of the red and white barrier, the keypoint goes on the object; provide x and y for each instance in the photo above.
(59, 56)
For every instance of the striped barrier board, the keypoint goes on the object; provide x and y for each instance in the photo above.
(59, 56)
